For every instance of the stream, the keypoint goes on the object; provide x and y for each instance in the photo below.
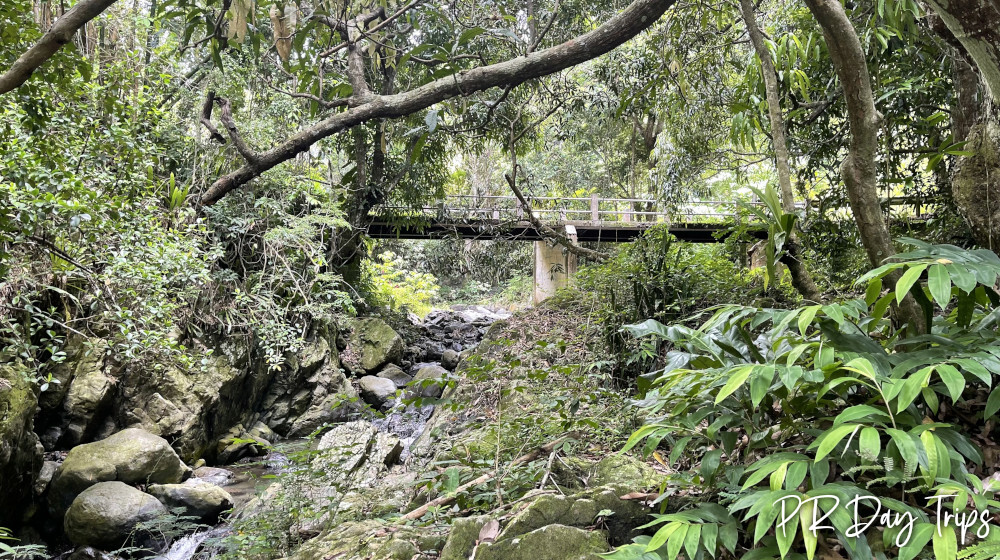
(456, 330)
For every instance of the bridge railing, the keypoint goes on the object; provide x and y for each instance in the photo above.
(592, 209)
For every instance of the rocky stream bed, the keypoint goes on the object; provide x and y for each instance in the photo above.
(220, 445)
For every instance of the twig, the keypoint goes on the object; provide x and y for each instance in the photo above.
(206, 118)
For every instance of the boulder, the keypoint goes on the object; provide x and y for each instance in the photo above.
(105, 514)
(88, 397)
(377, 391)
(45, 477)
(552, 542)
(449, 359)
(132, 456)
(194, 406)
(581, 510)
(198, 498)
(370, 540)
(395, 374)
(625, 470)
(239, 443)
(462, 537)
(372, 344)
(429, 382)
(20, 450)
(214, 475)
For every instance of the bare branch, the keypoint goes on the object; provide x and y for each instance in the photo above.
(57, 36)
(378, 27)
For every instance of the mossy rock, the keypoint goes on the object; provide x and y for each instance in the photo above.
(552, 542)
(132, 456)
(371, 540)
(581, 510)
(20, 450)
(625, 470)
(372, 344)
(105, 514)
(462, 537)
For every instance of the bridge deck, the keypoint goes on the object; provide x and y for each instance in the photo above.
(586, 231)
(610, 220)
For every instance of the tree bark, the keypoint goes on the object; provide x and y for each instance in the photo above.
(640, 15)
(976, 24)
(57, 36)
(801, 278)
(859, 167)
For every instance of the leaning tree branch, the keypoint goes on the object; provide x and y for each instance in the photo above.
(551, 233)
(640, 15)
(206, 118)
(57, 36)
(226, 116)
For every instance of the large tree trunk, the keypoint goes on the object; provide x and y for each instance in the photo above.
(974, 27)
(859, 167)
(801, 278)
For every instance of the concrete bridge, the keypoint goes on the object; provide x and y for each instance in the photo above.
(590, 219)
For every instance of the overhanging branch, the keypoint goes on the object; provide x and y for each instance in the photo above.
(57, 36)
(640, 15)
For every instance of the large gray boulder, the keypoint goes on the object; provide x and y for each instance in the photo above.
(395, 374)
(372, 344)
(105, 514)
(20, 451)
(198, 498)
(132, 456)
(376, 391)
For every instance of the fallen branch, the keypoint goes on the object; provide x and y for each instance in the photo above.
(526, 458)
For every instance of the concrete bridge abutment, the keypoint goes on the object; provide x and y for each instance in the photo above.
(554, 267)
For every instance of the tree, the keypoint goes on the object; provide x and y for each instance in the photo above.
(858, 169)
(793, 259)
(60, 34)
(364, 106)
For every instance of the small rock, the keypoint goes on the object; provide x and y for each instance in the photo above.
(198, 498)
(105, 514)
(377, 391)
(214, 475)
(422, 382)
(449, 359)
(45, 476)
(395, 374)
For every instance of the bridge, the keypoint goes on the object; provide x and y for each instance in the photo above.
(593, 219)
(597, 219)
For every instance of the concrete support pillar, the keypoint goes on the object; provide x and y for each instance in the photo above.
(554, 266)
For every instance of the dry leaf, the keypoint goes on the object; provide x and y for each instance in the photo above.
(489, 531)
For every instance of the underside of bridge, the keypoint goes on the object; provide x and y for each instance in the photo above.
(586, 231)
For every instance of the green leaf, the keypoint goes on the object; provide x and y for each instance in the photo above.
(692, 540)
(806, 318)
(869, 444)
(709, 536)
(661, 536)
(992, 404)
(710, 464)
(953, 380)
(677, 540)
(918, 540)
(939, 283)
(809, 538)
(830, 438)
(906, 281)
(945, 544)
(873, 291)
(911, 388)
(737, 377)
(728, 534)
